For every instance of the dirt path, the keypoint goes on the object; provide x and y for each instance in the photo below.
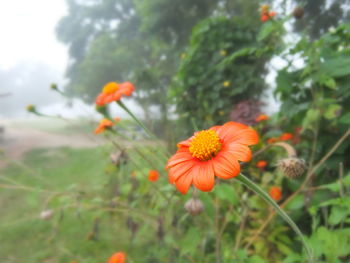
(16, 140)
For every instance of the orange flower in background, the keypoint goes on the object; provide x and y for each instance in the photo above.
(118, 257)
(286, 136)
(261, 117)
(266, 14)
(272, 140)
(113, 91)
(104, 124)
(210, 153)
(153, 175)
(276, 193)
(261, 164)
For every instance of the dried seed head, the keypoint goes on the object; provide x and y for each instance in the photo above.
(298, 12)
(46, 214)
(194, 206)
(292, 167)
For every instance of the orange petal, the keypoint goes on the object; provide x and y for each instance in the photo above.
(185, 143)
(100, 99)
(225, 167)
(203, 176)
(179, 157)
(127, 88)
(116, 96)
(184, 182)
(239, 151)
(99, 129)
(238, 133)
(179, 170)
(108, 98)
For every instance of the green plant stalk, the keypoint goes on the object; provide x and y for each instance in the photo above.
(123, 106)
(255, 188)
(148, 132)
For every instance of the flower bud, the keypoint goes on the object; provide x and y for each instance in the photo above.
(53, 86)
(292, 167)
(46, 214)
(31, 108)
(298, 12)
(194, 206)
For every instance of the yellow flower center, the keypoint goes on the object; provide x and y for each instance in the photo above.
(205, 145)
(110, 88)
(265, 8)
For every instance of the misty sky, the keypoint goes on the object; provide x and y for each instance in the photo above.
(27, 32)
(31, 58)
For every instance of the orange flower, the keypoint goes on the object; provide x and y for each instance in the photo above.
(210, 153)
(261, 117)
(275, 193)
(261, 164)
(286, 136)
(264, 18)
(118, 257)
(272, 140)
(113, 91)
(266, 14)
(104, 124)
(153, 175)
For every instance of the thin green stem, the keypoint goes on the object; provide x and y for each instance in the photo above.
(254, 187)
(123, 106)
(148, 132)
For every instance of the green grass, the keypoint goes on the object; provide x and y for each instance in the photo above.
(80, 174)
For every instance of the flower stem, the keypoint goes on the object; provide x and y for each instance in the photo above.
(254, 187)
(149, 133)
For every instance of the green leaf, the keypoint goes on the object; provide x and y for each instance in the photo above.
(190, 242)
(266, 30)
(311, 117)
(332, 111)
(296, 203)
(226, 192)
(338, 214)
(336, 67)
(345, 119)
(327, 81)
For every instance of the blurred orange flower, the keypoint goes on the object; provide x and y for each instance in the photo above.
(104, 124)
(153, 175)
(266, 14)
(272, 140)
(261, 117)
(113, 91)
(210, 153)
(261, 164)
(275, 193)
(286, 136)
(118, 257)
